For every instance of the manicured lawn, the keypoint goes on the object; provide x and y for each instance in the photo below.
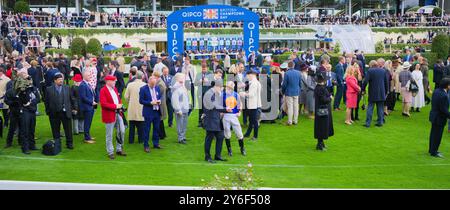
(394, 156)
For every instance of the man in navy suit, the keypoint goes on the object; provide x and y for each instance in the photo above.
(378, 87)
(340, 83)
(438, 116)
(87, 103)
(150, 98)
(120, 84)
(213, 112)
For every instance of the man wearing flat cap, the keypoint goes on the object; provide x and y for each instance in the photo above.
(59, 106)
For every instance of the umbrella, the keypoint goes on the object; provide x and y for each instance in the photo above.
(109, 47)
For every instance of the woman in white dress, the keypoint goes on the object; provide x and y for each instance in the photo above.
(418, 100)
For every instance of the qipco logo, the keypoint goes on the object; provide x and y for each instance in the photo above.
(191, 14)
(251, 39)
(174, 42)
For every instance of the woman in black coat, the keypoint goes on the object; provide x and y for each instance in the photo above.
(323, 123)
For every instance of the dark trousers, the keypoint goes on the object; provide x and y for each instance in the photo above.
(26, 133)
(169, 112)
(88, 115)
(435, 138)
(245, 116)
(56, 120)
(210, 135)
(344, 95)
(200, 112)
(5, 117)
(13, 126)
(380, 112)
(147, 127)
(139, 125)
(162, 130)
(390, 101)
(331, 90)
(193, 98)
(253, 125)
(339, 94)
(355, 111)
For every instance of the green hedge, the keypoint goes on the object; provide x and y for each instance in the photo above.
(403, 46)
(94, 47)
(132, 31)
(55, 51)
(78, 46)
(432, 57)
(408, 30)
(441, 46)
(21, 6)
(128, 59)
(124, 50)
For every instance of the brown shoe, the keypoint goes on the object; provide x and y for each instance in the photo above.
(121, 153)
(111, 156)
(89, 142)
(147, 150)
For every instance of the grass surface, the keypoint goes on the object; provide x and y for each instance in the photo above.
(394, 156)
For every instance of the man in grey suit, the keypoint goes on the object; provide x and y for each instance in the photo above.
(59, 106)
(203, 83)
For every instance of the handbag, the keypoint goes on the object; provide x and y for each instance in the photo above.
(413, 87)
(323, 111)
(51, 147)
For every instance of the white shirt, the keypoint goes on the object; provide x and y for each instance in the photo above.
(113, 95)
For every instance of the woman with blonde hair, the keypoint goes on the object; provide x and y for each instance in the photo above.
(353, 89)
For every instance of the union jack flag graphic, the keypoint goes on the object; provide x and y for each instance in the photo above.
(210, 14)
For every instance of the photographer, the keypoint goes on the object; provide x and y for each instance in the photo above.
(28, 97)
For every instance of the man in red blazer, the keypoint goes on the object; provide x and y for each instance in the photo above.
(112, 116)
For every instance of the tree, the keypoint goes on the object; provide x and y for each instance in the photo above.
(78, 46)
(440, 46)
(94, 47)
(21, 7)
(235, 2)
(437, 12)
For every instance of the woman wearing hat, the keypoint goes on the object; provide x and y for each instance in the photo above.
(404, 78)
(307, 94)
(77, 117)
(323, 121)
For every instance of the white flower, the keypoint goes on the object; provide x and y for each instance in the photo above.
(249, 165)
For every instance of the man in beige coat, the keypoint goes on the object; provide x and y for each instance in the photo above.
(135, 118)
(163, 89)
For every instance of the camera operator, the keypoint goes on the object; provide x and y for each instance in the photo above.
(12, 101)
(28, 97)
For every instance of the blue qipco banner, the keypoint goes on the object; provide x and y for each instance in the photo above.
(212, 13)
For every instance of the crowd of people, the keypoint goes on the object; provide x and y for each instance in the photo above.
(135, 20)
(161, 89)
